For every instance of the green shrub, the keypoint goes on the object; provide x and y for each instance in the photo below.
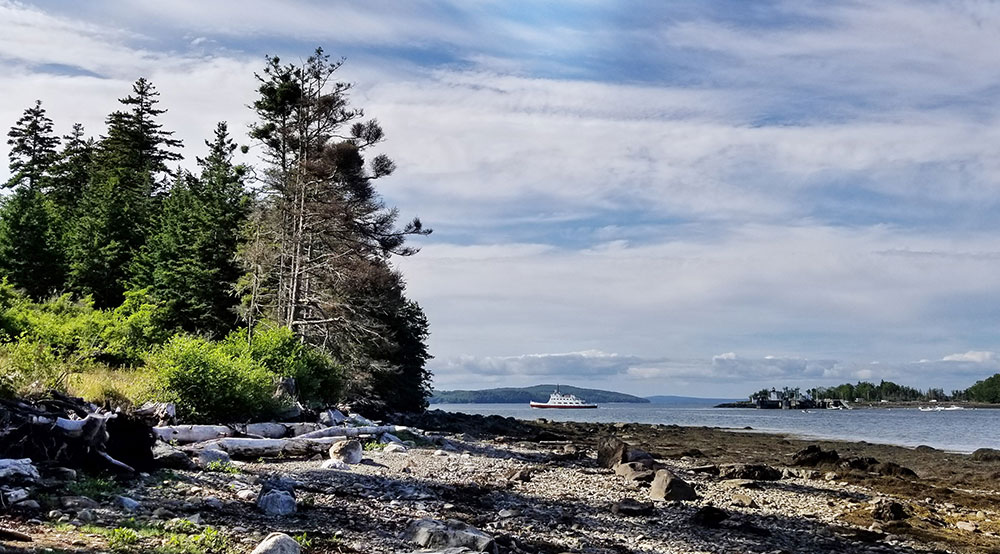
(209, 384)
(121, 538)
(28, 367)
(318, 378)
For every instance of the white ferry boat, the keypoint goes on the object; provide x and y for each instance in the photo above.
(564, 401)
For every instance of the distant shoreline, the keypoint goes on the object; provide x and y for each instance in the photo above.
(886, 405)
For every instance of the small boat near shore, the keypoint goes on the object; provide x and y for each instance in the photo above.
(559, 400)
(940, 408)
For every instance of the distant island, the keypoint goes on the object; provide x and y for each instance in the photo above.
(524, 395)
(689, 401)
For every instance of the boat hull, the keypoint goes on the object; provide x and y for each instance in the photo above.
(562, 407)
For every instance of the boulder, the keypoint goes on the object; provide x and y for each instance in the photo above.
(629, 507)
(986, 455)
(276, 503)
(431, 533)
(888, 510)
(168, 457)
(891, 469)
(21, 470)
(743, 500)
(210, 455)
(813, 455)
(611, 451)
(667, 486)
(277, 497)
(78, 502)
(635, 471)
(348, 451)
(277, 543)
(394, 447)
(757, 472)
(862, 463)
(127, 504)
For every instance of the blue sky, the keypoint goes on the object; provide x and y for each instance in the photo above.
(678, 197)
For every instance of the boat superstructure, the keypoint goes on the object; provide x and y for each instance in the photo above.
(564, 401)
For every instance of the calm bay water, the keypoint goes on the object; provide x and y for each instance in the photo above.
(959, 430)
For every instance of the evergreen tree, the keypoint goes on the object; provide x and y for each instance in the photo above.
(190, 262)
(118, 208)
(30, 253)
(70, 171)
(32, 147)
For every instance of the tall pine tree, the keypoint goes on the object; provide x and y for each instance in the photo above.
(118, 208)
(190, 262)
(30, 250)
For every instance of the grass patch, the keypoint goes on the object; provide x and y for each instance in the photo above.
(94, 487)
(219, 466)
(110, 387)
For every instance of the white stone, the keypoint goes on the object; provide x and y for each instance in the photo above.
(394, 447)
(277, 543)
(349, 452)
(277, 503)
(335, 464)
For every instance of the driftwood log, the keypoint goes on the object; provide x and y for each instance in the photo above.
(67, 431)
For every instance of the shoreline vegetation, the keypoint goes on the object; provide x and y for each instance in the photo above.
(233, 291)
(542, 487)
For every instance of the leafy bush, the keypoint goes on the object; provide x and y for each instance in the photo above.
(208, 383)
(121, 538)
(318, 378)
(28, 367)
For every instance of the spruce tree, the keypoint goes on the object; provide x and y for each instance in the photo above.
(118, 208)
(32, 147)
(190, 262)
(31, 256)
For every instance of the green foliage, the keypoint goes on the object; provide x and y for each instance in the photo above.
(304, 541)
(30, 251)
(317, 376)
(94, 487)
(987, 390)
(219, 466)
(29, 367)
(885, 390)
(372, 446)
(209, 384)
(122, 538)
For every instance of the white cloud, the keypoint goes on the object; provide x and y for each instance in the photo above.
(979, 357)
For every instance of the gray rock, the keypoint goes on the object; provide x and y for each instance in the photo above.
(126, 503)
(28, 506)
(276, 503)
(740, 499)
(986, 455)
(439, 452)
(332, 417)
(635, 471)
(245, 494)
(210, 455)
(348, 451)
(709, 516)
(430, 533)
(86, 515)
(394, 447)
(667, 486)
(888, 510)
(212, 503)
(757, 472)
(162, 513)
(629, 507)
(62, 474)
(611, 451)
(389, 438)
(334, 464)
(18, 469)
(168, 457)
(277, 543)
(967, 526)
(78, 502)
(15, 495)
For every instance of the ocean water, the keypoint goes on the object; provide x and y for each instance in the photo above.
(957, 431)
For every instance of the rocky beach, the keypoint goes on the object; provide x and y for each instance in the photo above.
(486, 483)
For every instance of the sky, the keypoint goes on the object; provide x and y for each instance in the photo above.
(688, 197)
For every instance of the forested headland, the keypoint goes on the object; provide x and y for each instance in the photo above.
(129, 275)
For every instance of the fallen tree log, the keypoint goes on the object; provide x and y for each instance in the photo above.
(245, 448)
(185, 434)
(353, 431)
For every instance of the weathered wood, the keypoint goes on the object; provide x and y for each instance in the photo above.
(353, 431)
(185, 434)
(269, 448)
